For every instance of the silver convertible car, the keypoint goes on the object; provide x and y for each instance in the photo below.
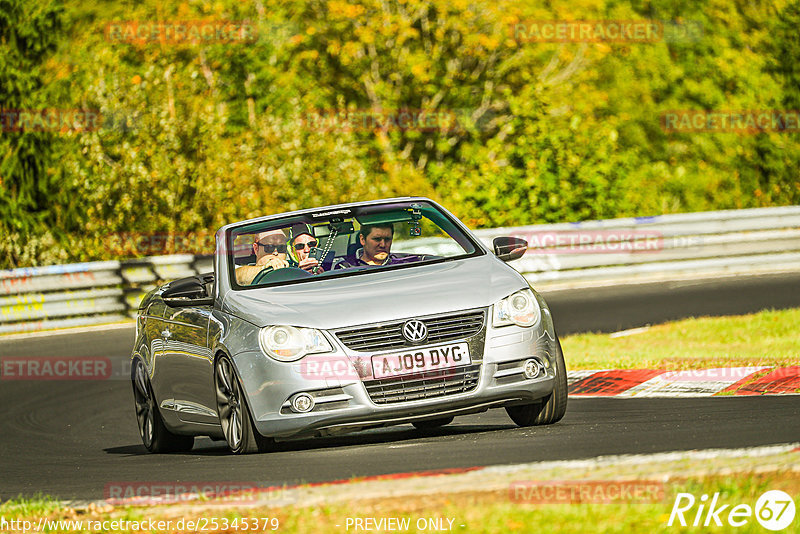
(340, 319)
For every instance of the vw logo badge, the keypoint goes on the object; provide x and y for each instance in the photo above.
(415, 331)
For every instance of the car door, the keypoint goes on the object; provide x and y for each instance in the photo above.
(153, 325)
(187, 363)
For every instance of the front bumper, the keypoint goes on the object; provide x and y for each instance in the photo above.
(344, 404)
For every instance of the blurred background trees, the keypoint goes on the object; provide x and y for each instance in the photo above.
(198, 135)
(35, 207)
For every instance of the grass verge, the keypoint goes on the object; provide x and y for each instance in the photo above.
(766, 338)
(484, 501)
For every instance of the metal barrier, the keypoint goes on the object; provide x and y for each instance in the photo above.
(57, 296)
(558, 255)
(662, 247)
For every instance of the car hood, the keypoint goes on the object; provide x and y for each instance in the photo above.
(379, 296)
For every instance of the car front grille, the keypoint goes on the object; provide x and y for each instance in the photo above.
(424, 385)
(389, 336)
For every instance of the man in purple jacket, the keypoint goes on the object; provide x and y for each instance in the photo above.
(376, 246)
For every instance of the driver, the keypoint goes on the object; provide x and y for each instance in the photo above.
(270, 250)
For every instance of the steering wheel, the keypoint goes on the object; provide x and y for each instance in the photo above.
(280, 275)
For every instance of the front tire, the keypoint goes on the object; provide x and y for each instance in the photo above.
(234, 414)
(550, 409)
(155, 435)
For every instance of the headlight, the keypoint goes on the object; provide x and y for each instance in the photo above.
(287, 343)
(520, 308)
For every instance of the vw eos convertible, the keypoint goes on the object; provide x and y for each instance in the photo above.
(339, 319)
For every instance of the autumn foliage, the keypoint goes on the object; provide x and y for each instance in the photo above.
(329, 101)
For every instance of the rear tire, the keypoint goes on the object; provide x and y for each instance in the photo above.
(234, 414)
(551, 408)
(155, 435)
(430, 424)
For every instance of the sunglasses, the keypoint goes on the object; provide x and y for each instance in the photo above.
(269, 248)
(301, 246)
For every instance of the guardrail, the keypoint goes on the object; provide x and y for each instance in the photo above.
(652, 248)
(559, 255)
(57, 296)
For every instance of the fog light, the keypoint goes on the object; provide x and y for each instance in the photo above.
(531, 369)
(302, 402)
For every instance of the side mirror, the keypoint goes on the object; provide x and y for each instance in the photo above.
(509, 248)
(184, 302)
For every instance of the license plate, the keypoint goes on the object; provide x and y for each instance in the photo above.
(420, 359)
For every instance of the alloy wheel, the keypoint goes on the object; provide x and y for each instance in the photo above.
(229, 404)
(145, 405)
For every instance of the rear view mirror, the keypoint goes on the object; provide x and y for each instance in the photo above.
(509, 248)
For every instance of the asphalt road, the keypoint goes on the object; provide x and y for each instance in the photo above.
(72, 439)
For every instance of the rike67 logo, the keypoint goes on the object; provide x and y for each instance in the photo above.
(774, 510)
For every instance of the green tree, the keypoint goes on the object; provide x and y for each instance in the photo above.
(537, 131)
(776, 156)
(29, 185)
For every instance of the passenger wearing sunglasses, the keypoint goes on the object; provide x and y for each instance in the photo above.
(270, 250)
(301, 241)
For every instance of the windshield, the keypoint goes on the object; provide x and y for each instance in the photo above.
(347, 241)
